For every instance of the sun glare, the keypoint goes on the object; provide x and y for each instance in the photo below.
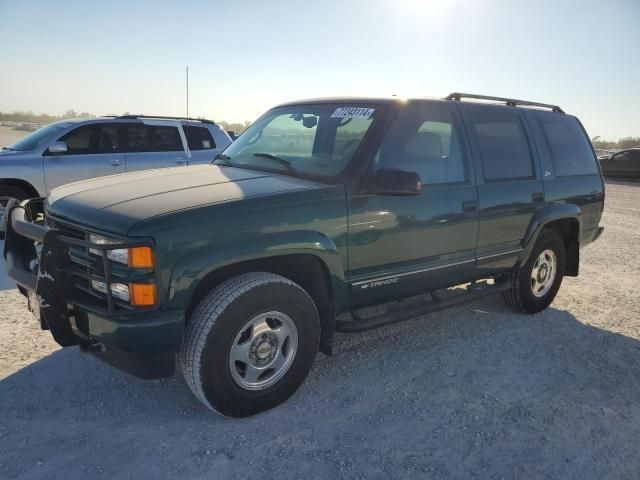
(426, 9)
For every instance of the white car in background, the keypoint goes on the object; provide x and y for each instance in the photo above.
(72, 150)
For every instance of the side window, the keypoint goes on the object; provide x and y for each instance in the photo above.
(164, 139)
(503, 143)
(152, 138)
(79, 140)
(569, 147)
(108, 140)
(198, 138)
(137, 138)
(424, 139)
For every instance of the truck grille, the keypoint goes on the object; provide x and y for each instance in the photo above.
(83, 266)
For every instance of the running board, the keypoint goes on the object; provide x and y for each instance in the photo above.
(416, 306)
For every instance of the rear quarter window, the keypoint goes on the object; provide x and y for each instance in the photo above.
(198, 138)
(503, 143)
(569, 148)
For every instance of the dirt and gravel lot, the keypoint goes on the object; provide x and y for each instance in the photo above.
(9, 135)
(458, 394)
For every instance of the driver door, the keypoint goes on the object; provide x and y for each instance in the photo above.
(92, 151)
(401, 245)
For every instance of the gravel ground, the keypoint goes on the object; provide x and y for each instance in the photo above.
(9, 135)
(458, 394)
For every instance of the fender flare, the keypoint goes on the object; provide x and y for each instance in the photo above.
(543, 217)
(196, 264)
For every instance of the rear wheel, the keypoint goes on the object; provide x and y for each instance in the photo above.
(250, 344)
(535, 284)
(9, 195)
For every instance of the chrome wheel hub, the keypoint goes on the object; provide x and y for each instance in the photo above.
(543, 273)
(263, 350)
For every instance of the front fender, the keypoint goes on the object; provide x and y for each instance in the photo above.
(549, 214)
(196, 264)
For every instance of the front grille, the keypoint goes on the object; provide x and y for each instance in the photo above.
(83, 266)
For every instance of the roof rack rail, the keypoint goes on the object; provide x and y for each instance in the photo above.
(508, 101)
(162, 117)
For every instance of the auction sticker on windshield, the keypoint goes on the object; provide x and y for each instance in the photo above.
(352, 112)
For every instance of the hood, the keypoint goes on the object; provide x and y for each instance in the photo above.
(11, 153)
(118, 202)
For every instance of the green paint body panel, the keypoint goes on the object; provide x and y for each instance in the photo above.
(374, 247)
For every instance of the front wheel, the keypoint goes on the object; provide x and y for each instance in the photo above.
(250, 344)
(535, 284)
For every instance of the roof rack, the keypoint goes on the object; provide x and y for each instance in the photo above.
(508, 101)
(162, 117)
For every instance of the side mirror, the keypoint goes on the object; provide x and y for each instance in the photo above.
(58, 147)
(387, 181)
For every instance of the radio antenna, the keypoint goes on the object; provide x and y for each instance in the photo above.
(187, 92)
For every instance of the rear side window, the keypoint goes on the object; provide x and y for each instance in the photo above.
(164, 139)
(152, 138)
(198, 138)
(569, 147)
(108, 139)
(503, 143)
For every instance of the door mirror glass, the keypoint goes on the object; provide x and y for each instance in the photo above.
(388, 181)
(58, 147)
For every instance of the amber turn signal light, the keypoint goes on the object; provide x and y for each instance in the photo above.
(141, 257)
(143, 294)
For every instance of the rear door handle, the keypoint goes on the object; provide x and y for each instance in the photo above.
(115, 162)
(537, 196)
(180, 161)
(470, 206)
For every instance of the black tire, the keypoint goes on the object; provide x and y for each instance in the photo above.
(11, 192)
(520, 295)
(214, 326)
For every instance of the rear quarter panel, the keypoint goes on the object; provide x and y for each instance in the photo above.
(584, 191)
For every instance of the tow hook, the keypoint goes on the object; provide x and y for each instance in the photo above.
(91, 347)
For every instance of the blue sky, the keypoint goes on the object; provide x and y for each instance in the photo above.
(116, 56)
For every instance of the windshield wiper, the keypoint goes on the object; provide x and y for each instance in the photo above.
(281, 161)
(222, 156)
(7, 148)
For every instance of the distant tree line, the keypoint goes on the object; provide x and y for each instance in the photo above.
(30, 117)
(622, 143)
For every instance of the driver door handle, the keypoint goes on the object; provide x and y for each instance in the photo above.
(115, 162)
(180, 161)
(470, 206)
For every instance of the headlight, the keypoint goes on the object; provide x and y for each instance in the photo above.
(136, 257)
(118, 290)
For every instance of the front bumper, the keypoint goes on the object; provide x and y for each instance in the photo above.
(142, 342)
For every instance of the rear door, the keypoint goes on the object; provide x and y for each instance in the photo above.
(154, 144)
(201, 143)
(509, 181)
(93, 150)
(634, 167)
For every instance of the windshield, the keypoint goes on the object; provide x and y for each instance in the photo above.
(38, 137)
(310, 140)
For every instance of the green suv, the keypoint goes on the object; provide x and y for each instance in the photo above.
(325, 215)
